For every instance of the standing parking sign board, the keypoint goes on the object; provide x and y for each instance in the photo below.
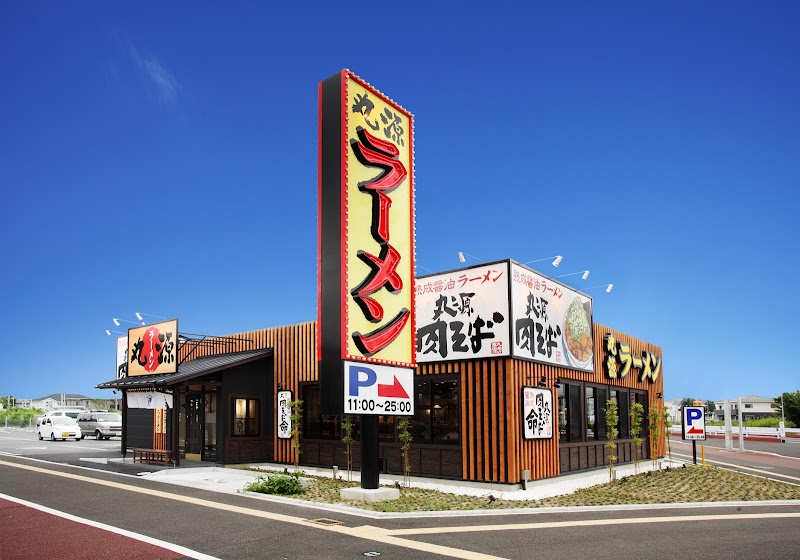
(694, 422)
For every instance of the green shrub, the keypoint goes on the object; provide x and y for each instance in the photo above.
(280, 484)
(19, 417)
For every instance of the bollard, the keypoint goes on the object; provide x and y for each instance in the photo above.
(703, 455)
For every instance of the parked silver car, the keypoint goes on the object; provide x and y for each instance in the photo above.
(102, 425)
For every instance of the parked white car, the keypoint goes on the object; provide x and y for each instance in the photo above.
(59, 427)
(72, 413)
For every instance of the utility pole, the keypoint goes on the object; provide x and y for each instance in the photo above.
(783, 415)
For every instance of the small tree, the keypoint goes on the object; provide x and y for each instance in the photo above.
(405, 443)
(637, 413)
(347, 440)
(667, 430)
(296, 431)
(791, 407)
(654, 430)
(612, 431)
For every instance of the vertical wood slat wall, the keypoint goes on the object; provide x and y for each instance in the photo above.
(492, 447)
(294, 359)
(632, 380)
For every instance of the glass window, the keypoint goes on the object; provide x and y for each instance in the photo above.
(315, 424)
(436, 411)
(641, 398)
(591, 418)
(245, 417)
(622, 407)
(601, 402)
(563, 412)
(570, 412)
(436, 419)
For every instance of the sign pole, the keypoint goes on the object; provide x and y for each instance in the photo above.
(370, 474)
(694, 451)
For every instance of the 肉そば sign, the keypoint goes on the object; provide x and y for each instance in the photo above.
(537, 413)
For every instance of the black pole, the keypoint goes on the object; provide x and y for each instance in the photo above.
(124, 438)
(694, 451)
(370, 473)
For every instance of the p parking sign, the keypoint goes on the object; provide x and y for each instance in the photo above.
(694, 422)
(378, 389)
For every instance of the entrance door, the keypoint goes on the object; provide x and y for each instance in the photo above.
(193, 445)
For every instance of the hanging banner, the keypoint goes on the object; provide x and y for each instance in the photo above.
(149, 399)
(122, 357)
(284, 412)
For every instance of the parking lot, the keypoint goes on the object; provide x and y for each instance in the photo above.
(25, 442)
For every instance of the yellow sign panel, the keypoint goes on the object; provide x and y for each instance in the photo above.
(379, 229)
(153, 349)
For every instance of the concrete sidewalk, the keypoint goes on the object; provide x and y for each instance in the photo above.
(233, 480)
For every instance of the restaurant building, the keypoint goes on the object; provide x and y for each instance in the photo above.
(498, 391)
(501, 370)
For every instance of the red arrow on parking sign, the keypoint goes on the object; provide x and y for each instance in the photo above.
(694, 431)
(392, 391)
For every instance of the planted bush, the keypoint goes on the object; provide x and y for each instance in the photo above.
(279, 484)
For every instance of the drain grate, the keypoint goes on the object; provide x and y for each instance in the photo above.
(326, 521)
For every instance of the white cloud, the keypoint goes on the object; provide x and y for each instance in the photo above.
(161, 80)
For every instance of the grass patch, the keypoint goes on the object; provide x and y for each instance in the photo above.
(688, 484)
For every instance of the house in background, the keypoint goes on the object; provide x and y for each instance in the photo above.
(67, 400)
(753, 407)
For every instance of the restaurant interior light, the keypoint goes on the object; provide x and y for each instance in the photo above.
(555, 263)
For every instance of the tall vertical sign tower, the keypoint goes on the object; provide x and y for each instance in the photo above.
(365, 329)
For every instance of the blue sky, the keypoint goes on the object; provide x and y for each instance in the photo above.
(162, 158)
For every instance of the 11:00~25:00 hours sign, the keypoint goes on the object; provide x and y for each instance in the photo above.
(377, 389)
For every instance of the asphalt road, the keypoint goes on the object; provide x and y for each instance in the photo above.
(779, 461)
(205, 524)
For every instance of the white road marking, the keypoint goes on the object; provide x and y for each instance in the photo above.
(592, 523)
(143, 538)
(363, 532)
(393, 536)
(740, 467)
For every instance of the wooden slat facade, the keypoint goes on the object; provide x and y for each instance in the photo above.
(491, 444)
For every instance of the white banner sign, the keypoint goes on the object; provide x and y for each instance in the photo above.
(377, 389)
(149, 399)
(537, 413)
(284, 411)
(122, 357)
(463, 314)
(552, 323)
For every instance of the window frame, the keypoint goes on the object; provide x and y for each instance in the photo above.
(248, 399)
